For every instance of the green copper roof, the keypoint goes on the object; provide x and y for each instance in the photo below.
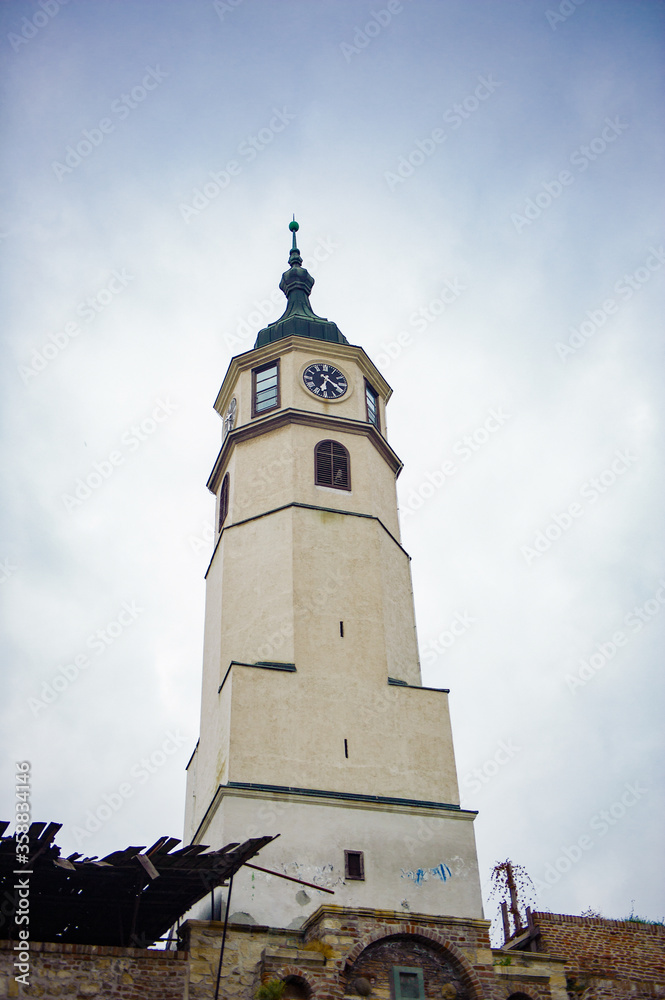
(298, 317)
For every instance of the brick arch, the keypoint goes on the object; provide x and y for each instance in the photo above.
(283, 971)
(467, 974)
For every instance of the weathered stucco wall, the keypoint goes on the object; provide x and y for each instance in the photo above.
(416, 860)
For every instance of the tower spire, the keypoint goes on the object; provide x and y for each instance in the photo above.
(298, 318)
(294, 256)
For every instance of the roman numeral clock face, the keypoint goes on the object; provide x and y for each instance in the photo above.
(325, 381)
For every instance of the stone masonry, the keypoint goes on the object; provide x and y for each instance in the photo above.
(101, 972)
(344, 952)
(606, 959)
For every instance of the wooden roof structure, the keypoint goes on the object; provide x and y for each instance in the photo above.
(129, 898)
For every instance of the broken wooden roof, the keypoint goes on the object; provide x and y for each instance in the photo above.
(129, 898)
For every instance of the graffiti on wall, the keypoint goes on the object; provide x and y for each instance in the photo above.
(420, 875)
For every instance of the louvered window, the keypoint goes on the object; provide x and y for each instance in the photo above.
(331, 464)
(223, 502)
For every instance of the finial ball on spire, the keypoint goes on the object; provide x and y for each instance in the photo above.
(293, 226)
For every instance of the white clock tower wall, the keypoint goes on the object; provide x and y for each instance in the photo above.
(314, 720)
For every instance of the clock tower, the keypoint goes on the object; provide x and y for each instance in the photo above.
(314, 721)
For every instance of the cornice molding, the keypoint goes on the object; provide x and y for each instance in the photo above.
(311, 506)
(278, 348)
(328, 798)
(290, 415)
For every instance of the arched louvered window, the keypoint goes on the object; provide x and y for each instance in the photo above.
(223, 502)
(332, 466)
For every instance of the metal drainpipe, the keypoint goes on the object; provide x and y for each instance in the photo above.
(226, 923)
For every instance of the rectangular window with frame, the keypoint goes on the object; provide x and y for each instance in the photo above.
(372, 405)
(265, 388)
(407, 983)
(354, 865)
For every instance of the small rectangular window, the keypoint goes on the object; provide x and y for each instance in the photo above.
(265, 388)
(407, 983)
(354, 865)
(372, 404)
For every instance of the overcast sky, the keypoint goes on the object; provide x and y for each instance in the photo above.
(479, 189)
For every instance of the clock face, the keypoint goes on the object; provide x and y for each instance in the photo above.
(325, 381)
(230, 418)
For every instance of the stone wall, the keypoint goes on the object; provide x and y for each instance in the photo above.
(339, 946)
(105, 973)
(613, 959)
(340, 949)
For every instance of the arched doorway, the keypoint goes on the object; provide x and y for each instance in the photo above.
(407, 967)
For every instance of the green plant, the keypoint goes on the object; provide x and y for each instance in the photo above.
(503, 961)
(635, 919)
(272, 990)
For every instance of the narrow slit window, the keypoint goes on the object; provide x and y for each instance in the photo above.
(354, 865)
(341, 629)
(223, 502)
(372, 404)
(332, 466)
(346, 748)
